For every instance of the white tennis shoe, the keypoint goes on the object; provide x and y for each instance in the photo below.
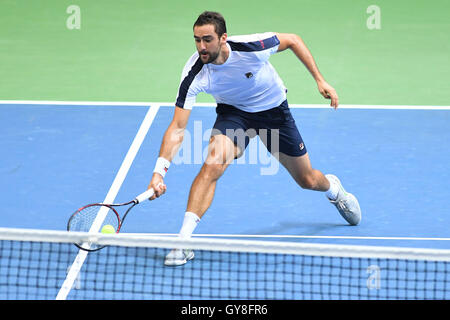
(346, 203)
(178, 257)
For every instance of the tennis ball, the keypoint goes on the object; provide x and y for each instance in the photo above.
(107, 228)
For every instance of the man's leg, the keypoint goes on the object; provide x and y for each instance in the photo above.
(222, 151)
(306, 177)
(312, 179)
(282, 138)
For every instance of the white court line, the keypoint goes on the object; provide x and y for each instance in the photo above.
(212, 105)
(281, 236)
(112, 193)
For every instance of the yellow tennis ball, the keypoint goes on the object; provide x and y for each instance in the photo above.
(107, 228)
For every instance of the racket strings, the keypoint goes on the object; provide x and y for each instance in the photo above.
(82, 221)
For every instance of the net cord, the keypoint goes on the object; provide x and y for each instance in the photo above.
(231, 245)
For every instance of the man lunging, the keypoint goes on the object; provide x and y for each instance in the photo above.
(250, 95)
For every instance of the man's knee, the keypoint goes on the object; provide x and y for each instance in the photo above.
(307, 181)
(212, 171)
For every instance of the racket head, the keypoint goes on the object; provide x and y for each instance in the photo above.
(82, 220)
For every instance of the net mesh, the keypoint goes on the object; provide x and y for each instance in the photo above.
(35, 264)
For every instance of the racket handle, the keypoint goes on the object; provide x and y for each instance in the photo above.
(145, 195)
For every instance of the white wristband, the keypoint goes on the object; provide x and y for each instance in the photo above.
(161, 167)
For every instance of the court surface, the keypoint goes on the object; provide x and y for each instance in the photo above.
(388, 143)
(57, 157)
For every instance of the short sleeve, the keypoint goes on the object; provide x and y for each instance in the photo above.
(263, 45)
(189, 88)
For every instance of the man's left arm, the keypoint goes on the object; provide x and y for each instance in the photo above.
(296, 44)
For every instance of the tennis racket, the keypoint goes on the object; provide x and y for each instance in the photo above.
(95, 216)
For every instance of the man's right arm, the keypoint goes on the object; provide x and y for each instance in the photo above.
(169, 147)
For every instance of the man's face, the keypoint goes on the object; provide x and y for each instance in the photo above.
(208, 42)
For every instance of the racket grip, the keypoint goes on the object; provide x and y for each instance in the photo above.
(145, 195)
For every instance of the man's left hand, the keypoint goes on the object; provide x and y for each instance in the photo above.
(329, 93)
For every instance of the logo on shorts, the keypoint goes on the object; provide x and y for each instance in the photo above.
(249, 75)
(302, 146)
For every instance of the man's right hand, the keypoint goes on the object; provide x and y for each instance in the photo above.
(157, 183)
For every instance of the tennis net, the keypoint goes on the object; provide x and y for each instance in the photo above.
(34, 264)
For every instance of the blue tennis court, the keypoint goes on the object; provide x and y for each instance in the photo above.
(57, 157)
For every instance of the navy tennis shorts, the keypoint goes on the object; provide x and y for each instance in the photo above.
(276, 128)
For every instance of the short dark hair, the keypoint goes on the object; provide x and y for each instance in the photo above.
(214, 18)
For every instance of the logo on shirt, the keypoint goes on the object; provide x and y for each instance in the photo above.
(301, 146)
(249, 75)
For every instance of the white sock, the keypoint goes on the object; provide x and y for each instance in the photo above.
(332, 193)
(189, 223)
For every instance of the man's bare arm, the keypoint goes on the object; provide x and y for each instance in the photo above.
(174, 134)
(173, 137)
(295, 43)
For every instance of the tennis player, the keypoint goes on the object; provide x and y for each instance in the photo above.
(250, 97)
